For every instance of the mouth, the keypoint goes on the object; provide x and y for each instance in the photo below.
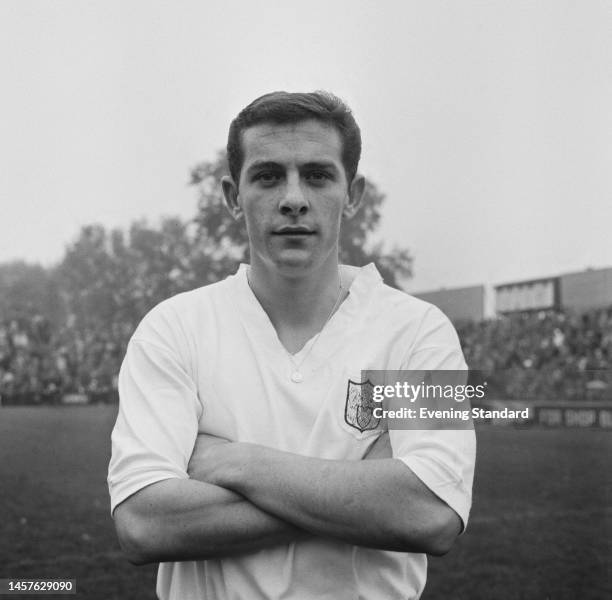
(294, 231)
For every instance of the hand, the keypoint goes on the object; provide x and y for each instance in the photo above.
(203, 456)
(380, 449)
(218, 461)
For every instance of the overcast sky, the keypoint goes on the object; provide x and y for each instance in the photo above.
(487, 124)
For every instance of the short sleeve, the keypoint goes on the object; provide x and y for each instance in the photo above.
(443, 460)
(157, 423)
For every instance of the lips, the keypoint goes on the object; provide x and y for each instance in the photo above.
(293, 230)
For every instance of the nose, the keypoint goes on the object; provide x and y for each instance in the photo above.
(293, 202)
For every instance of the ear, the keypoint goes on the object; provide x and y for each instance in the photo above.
(355, 195)
(230, 193)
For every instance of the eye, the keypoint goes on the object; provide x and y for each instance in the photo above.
(318, 176)
(268, 177)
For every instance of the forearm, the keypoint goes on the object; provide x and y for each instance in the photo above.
(379, 504)
(183, 519)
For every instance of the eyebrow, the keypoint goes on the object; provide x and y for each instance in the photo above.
(264, 164)
(323, 165)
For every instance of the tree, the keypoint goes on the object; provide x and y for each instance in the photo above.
(110, 276)
(27, 290)
(226, 238)
(86, 276)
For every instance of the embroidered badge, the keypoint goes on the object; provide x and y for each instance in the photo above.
(360, 405)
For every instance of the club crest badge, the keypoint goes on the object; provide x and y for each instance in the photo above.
(360, 405)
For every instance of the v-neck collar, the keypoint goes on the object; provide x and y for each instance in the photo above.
(257, 323)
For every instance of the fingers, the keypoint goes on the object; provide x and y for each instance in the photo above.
(199, 463)
(381, 448)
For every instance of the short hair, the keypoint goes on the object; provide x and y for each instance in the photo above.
(285, 107)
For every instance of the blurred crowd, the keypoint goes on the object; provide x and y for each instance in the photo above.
(531, 356)
(42, 364)
(546, 355)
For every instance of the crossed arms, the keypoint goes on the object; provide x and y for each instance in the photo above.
(244, 497)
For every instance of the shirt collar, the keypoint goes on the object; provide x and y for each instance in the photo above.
(366, 277)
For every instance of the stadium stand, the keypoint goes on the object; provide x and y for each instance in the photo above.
(42, 366)
(544, 355)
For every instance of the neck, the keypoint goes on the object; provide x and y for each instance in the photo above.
(299, 302)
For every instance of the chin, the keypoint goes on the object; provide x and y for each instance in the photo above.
(295, 262)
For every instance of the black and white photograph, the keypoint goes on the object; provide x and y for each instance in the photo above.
(306, 301)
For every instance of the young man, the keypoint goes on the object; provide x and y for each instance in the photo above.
(245, 460)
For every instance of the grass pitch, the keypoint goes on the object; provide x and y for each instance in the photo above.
(541, 523)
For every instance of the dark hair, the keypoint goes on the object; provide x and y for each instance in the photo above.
(284, 107)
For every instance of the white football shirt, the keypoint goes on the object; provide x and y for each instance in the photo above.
(210, 361)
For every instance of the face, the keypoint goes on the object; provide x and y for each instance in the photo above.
(292, 194)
